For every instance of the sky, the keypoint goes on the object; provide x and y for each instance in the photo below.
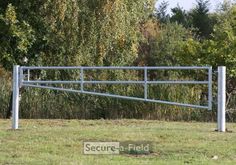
(188, 4)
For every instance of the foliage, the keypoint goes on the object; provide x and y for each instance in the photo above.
(219, 50)
(114, 33)
(201, 20)
(161, 12)
(17, 37)
(180, 16)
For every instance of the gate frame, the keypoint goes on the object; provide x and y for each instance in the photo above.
(18, 79)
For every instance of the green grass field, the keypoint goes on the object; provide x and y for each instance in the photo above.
(61, 142)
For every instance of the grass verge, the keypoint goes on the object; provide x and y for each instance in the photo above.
(61, 142)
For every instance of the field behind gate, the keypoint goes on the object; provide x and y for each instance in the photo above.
(61, 142)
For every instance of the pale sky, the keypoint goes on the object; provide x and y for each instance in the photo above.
(188, 4)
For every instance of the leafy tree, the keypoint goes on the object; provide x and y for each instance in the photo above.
(167, 44)
(17, 37)
(51, 32)
(217, 51)
(222, 46)
(78, 32)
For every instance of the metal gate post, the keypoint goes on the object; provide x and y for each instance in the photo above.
(16, 94)
(221, 98)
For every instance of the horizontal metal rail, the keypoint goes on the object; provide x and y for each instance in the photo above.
(118, 96)
(116, 82)
(114, 67)
(52, 88)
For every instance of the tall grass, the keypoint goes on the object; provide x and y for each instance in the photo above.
(5, 92)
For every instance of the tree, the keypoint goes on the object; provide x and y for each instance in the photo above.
(180, 16)
(219, 50)
(161, 12)
(98, 32)
(200, 19)
(52, 32)
(16, 36)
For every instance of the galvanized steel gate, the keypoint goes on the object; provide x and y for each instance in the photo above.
(21, 78)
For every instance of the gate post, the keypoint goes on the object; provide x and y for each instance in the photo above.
(221, 99)
(16, 94)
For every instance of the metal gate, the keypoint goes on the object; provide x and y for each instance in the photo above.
(22, 78)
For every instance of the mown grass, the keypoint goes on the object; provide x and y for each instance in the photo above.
(61, 142)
